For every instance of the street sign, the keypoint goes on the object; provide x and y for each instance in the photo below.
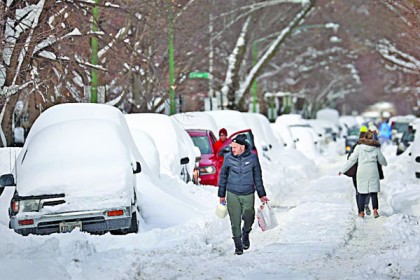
(199, 75)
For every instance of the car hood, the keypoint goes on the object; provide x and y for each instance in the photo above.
(207, 159)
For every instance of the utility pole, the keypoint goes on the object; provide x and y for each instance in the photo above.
(171, 61)
(211, 55)
(94, 58)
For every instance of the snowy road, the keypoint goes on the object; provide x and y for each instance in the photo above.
(319, 235)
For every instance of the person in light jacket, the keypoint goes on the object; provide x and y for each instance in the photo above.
(367, 155)
(363, 130)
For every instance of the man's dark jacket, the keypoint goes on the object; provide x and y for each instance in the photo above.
(241, 175)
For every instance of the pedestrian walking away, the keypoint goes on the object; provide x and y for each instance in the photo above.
(363, 130)
(367, 155)
(239, 178)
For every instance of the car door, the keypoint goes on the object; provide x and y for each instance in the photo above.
(226, 145)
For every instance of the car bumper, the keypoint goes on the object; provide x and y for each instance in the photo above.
(210, 179)
(95, 221)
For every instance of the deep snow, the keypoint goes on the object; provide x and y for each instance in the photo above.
(319, 234)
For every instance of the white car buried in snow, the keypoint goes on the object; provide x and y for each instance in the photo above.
(76, 169)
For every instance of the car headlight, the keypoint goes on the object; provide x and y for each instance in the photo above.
(29, 205)
(401, 147)
(205, 170)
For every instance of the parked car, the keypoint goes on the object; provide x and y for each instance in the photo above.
(211, 160)
(406, 139)
(399, 124)
(415, 154)
(352, 137)
(209, 164)
(180, 160)
(77, 169)
(283, 133)
(264, 137)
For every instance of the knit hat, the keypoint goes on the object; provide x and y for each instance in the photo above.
(223, 130)
(363, 128)
(241, 140)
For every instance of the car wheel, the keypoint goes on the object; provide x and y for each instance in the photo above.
(134, 228)
(186, 177)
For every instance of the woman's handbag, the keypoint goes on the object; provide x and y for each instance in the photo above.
(266, 217)
(352, 171)
(221, 210)
(381, 172)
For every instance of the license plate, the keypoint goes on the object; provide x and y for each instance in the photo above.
(69, 226)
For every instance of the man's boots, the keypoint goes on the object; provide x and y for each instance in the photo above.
(245, 239)
(238, 246)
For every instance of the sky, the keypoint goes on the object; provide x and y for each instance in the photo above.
(319, 235)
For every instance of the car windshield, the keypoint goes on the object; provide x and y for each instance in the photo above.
(202, 142)
(353, 131)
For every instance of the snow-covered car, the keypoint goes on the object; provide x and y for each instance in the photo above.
(181, 158)
(415, 154)
(293, 121)
(77, 169)
(284, 135)
(265, 139)
(305, 141)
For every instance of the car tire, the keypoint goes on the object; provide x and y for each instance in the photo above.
(134, 228)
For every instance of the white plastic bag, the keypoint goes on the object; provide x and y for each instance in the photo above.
(266, 217)
(221, 210)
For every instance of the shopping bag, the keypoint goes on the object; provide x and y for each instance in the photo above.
(266, 217)
(221, 210)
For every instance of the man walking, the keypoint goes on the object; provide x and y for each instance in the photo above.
(239, 177)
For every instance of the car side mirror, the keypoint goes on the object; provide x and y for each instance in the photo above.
(185, 160)
(224, 151)
(138, 168)
(6, 180)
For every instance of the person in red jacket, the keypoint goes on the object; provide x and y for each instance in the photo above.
(222, 139)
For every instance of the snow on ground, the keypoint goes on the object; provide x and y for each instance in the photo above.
(319, 234)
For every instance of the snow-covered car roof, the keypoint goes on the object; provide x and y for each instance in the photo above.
(233, 121)
(290, 119)
(197, 120)
(328, 114)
